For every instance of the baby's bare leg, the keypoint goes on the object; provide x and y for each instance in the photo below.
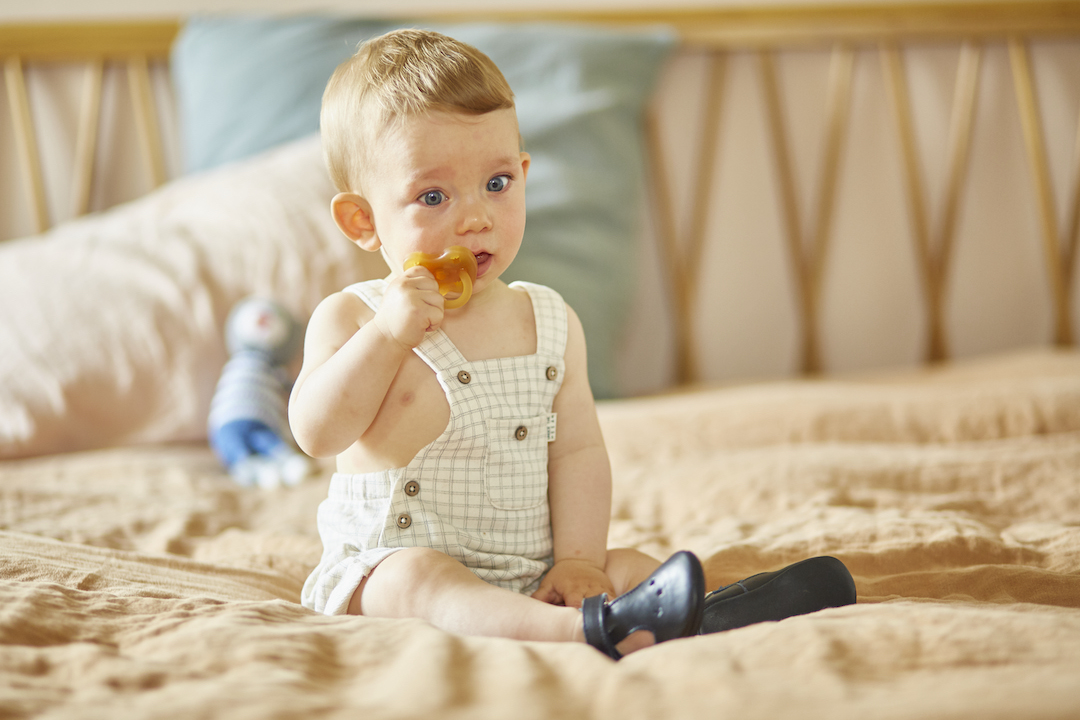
(427, 584)
(627, 568)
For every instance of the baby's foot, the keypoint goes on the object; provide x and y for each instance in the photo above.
(668, 604)
(805, 587)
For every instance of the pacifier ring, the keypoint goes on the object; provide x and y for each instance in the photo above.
(454, 270)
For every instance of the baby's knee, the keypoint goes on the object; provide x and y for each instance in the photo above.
(413, 568)
(424, 560)
(626, 567)
(628, 556)
(390, 589)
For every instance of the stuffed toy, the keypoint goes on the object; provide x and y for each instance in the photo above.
(248, 424)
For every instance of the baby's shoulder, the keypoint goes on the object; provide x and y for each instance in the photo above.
(536, 290)
(544, 302)
(519, 304)
(340, 311)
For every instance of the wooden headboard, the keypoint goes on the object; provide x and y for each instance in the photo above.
(710, 39)
(92, 45)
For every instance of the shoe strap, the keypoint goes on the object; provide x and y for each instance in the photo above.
(592, 612)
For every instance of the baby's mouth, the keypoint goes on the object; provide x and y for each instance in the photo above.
(482, 259)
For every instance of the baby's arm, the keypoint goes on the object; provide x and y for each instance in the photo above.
(351, 355)
(579, 486)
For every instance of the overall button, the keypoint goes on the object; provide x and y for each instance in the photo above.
(521, 433)
(412, 488)
(552, 373)
(404, 521)
(464, 377)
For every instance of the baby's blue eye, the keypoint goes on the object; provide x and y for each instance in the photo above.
(432, 198)
(498, 183)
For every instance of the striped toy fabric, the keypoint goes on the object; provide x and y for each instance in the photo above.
(248, 425)
(250, 389)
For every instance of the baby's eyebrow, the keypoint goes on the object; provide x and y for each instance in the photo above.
(507, 160)
(428, 174)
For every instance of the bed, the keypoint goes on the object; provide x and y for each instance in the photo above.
(139, 581)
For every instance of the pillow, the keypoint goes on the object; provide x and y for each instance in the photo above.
(112, 330)
(580, 93)
(247, 84)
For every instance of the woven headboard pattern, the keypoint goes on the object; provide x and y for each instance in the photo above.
(714, 38)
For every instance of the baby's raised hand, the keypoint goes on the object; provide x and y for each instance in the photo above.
(411, 307)
(569, 582)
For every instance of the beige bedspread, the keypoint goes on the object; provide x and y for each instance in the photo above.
(140, 582)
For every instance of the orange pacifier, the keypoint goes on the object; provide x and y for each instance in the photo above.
(454, 270)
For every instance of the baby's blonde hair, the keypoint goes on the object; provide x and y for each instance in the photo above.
(400, 75)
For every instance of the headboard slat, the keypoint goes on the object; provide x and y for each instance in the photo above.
(683, 253)
(789, 207)
(26, 139)
(926, 250)
(961, 127)
(1059, 274)
(677, 273)
(706, 161)
(146, 119)
(1072, 225)
(808, 251)
(86, 140)
(934, 247)
(838, 114)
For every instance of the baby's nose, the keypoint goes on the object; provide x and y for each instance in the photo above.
(476, 216)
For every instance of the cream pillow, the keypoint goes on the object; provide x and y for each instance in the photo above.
(111, 328)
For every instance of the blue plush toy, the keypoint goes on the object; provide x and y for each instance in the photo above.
(248, 424)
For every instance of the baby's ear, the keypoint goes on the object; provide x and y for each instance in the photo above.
(352, 213)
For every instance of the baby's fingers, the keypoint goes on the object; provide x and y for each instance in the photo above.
(547, 593)
(575, 596)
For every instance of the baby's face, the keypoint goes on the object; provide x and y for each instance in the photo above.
(448, 179)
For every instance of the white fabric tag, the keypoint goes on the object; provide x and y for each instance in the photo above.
(551, 427)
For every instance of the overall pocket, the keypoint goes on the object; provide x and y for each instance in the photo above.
(515, 477)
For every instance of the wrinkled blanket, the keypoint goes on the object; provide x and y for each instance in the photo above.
(140, 582)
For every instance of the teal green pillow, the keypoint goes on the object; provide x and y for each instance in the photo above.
(245, 84)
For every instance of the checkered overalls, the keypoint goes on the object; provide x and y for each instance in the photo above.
(478, 492)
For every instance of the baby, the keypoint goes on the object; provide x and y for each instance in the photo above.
(473, 488)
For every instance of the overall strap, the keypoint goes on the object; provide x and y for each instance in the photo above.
(549, 311)
(370, 291)
(435, 349)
